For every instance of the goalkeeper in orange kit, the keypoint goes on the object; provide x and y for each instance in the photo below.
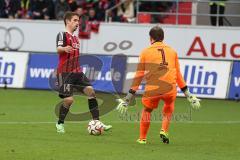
(159, 66)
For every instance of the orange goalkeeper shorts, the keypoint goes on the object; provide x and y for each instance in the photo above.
(152, 102)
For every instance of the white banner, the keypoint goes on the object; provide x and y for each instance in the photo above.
(13, 67)
(189, 42)
(29, 35)
(208, 79)
(130, 39)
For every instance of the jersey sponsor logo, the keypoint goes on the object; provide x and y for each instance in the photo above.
(73, 42)
(76, 45)
(7, 71)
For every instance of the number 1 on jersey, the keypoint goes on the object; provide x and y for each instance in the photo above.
(164, 63)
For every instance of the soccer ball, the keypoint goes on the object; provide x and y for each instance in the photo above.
(95, 127)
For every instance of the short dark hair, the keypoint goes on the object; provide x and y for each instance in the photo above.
(156, 33)
(68, 16)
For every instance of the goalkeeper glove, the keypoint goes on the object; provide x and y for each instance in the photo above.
(194, 101)
(124, 103)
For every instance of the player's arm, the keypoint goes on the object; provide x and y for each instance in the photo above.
(123, 103)
(61, 44)
(180, 80)
(139, 73)
(194, 101)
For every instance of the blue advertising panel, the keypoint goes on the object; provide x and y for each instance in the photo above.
(105, 72)
(40, 67)
(234, 90)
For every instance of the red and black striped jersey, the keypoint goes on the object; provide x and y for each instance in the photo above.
(68, 62)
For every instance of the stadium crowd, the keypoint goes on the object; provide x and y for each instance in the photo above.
(94, 9)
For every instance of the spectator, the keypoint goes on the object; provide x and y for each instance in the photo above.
(126, 11)
(9, 8)
(39, 9)
(60, 9)
(51, 7)
(91, 4)
(81, 3)
(73, 5)
(80, 11)
(92, 15)
(102, 6)
(23, 11)
(156, 7)
(93, 21)
(217, 8)
(83, 28)
(112, 15)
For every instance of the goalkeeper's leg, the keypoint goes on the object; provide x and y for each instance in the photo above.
(149, 105)
(145, 123)
(167, 115)
(167, 111)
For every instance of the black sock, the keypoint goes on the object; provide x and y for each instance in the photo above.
(93, 107)
(62, 114)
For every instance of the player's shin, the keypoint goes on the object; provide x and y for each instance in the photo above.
(63, 111)
(93, 108)
(165, 126)
(167, 116)
(166, 122)
(145, 123)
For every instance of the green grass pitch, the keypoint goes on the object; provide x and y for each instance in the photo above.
(27, 131)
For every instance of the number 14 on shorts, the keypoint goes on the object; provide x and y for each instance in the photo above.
(67, 87)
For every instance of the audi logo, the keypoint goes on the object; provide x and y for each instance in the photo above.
(12, 38)
(111, 46)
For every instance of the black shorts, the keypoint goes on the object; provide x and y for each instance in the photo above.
(70, 83)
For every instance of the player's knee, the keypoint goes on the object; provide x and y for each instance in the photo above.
(89, 91)
(68, 101)
(168, 109)
(148, 109)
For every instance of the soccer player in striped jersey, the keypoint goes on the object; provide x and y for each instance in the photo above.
(70, 76)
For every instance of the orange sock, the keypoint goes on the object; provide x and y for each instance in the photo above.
(167, 115)
(166, 122)
(144, 123)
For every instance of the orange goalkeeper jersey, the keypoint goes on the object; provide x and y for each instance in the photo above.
(159, 66)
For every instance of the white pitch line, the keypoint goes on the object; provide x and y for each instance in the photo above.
(181, 122)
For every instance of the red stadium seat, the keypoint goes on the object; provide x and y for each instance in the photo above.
(144, 18)
(184, 7)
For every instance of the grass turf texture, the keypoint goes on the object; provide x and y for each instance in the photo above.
(27, 131)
